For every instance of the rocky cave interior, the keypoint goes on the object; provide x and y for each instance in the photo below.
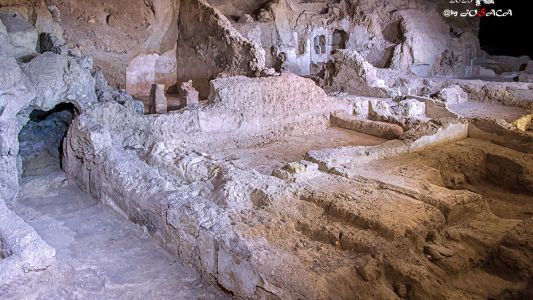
(41, 139)
(264, 149)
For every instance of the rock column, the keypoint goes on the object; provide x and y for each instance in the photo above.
(158, 100)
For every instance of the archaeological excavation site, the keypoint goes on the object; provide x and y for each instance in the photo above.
(266, 149)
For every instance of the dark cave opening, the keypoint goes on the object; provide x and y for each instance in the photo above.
(339, 39)
(507, 35)
(40, 140)
(320, 44)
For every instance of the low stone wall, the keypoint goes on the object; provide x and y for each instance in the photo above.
(241, 111)
(505, 93)
(154, 172)
(22, 251)
(426, 135)
(375, 128)
(190, 226)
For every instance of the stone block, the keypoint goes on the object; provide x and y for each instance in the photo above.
(188, 95)
(453, 94)
(413, 108)
(22, 35)
(237, 274)
(158, 100)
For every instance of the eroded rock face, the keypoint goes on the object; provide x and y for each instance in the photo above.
(209, 45)
(42, 83)
(22, 35)
(31, 86)
(350, 72)
(59, 78)
(145, 70)
(428, 48)
(293, 36)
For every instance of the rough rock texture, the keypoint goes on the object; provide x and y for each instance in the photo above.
(502, 133)
(43, 83)
(350, 72)
(453, 94)
(428, 49)
(240, 116)
(115, 34)
(380, 129)
(209, 45)
(317, 229)
(253, 233)
(19, 84)
(98, 253)
(76, 84)
(16, 93)
(287, 40)
(22, 250)
(188, 95)
(158, 101)
(271, 188)
(22, 35)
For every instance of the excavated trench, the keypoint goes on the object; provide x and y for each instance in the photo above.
(485, 193)
(97, 253)
(501, 176)
(504, 180)
(273, 155)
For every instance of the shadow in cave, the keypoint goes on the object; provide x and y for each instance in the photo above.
(505, 35)
(40, 140)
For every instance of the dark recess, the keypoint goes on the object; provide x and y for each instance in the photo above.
(510, 36)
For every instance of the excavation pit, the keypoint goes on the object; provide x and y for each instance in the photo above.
(502, 176)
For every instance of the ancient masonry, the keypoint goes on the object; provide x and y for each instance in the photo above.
(213, 149)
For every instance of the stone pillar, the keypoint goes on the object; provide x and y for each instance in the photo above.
(188, 95)
(157, 100)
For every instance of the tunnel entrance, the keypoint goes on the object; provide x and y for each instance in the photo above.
(40, 140)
